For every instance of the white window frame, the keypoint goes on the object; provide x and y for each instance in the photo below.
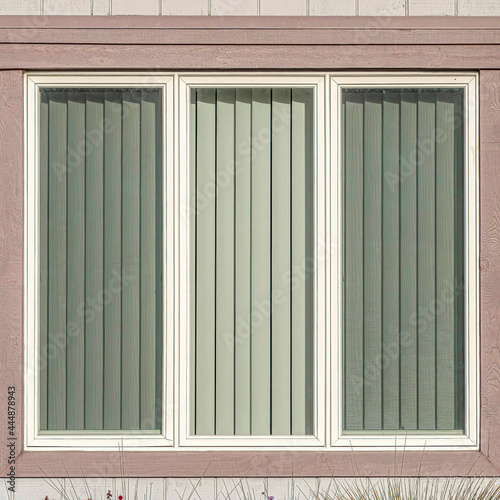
(84, 440)
(290, 80)
(469, 440)
(328, 433)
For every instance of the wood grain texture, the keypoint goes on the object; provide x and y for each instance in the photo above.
(377, 31)
(332, 7)
(129, 7)
(490, 263)
(11, 249)
(381, 7)
(106, 57)
(185, 8)
(284, 463)
(431, 7)
(63, 7)
(20, 7)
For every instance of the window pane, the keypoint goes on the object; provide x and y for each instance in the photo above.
(100, 259)
(251, 231)
(403, 265)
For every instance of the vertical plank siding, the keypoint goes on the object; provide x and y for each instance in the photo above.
(205, 298)
(242, 262)
(56, 313)
(100, 164)
(94, 259)
(403, 259)
(76, 264)
(354, 386)
(253, 217)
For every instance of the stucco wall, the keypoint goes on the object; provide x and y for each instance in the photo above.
(255, 7)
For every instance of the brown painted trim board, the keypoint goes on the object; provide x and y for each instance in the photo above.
(247, 57)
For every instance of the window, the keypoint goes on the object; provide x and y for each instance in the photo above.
(250, 369)
(407, 237)
(243, 260)
(97, 307)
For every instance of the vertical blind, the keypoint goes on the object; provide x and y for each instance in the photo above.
(403, 271)
(100, 259)
(251, 181)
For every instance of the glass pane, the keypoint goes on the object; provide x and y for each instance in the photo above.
(100, 171)
(251, 261)
(403, 270)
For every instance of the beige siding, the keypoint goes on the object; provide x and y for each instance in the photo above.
(254, 7)
(234, 7)
(187, 7)
(381, 7)
(20, 7)
(434, 7)
(283, 8)
(127, 7)
(65, 7)
(478, 7)
(332, 7)
(101, 7)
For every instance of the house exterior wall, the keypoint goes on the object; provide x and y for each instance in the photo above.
(253, 7)
(208, 488)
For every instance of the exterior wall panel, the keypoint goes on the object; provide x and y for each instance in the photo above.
(253, 7)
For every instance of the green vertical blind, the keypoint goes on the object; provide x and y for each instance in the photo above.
(251, 233)
(100, 262)
(403, 266)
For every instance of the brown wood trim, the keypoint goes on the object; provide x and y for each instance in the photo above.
(253, 22)
(11, 255)
(247, 57)
(489, 173)
(252, 464)
(245, 36)
(226, 30)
